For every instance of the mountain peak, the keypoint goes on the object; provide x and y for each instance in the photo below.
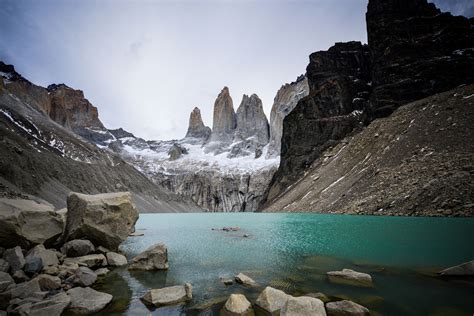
(196, 126)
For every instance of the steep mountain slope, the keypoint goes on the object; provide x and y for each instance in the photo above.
(414, 51)
(418, 161)
(48, 160)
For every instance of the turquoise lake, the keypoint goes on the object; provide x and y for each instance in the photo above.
(293, 252)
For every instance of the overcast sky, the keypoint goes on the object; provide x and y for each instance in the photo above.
(146, 64)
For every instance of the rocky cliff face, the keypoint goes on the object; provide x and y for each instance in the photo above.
(285, 101)
(415, 162)
(45, 160)
(414, 51)
(196, 128)
(251, 120)
(339, 84)
(224, 122)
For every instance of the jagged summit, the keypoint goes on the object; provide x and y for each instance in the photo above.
(196, 127)
(251, 120)
(224, 120)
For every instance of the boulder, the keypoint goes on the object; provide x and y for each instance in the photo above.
(52, 306)
(463, 269)
(47, 256)
(27, 223)
(87, 301)
(245, 280)
(91, 261)
(346, 308)
(14, 256)
(84, 276)
(4, 265)
(48, 282)
(101, 271)
(350, 277)
(25, 289)
(105, 219)
(77, 248)
(20, 276)
(5, 281)
(168, 295)
(272, 300)
(237, 305)
(303, 306)
(115, 259)
(154, 258)
(33, 265)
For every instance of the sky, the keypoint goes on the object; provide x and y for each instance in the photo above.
(146, 64)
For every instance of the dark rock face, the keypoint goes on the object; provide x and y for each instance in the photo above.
(196, 127)
(416, 51)
(339, 90)
(251, 120)
(176, 151)
(224, 121)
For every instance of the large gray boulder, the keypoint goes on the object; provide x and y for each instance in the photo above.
(168, 295)
(84, 276)
(77, 248)
(87, 301)
(105, 219)
(346, 308)
(115, 259)
(52, 306)
(303, 306)
(154, 258)
(237, 305)
(245, 280)
(350, 277)
(463, 269)
(14, 256)
(27, 223)
(272, 300)
(48, 257)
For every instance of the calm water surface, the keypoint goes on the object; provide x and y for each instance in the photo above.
(293, 252)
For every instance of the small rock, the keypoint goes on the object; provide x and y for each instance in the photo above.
(343, 308)
(115, 259)
(350, 277)
(47, 256)
(303, 306)
(272, 300)
(87, 300)
(168, 295)
(20, 276)
(91, 261)
(4, 265)
(51, 270)
(246, 235)
(67, 269)
(463, 269)
(33, 265)
(77, 248)
(102, 250)
(48, 282)
(14, 256)
(101, 271)
(154, 258)
(227, 281)
(245, 280)
(237, 305)
(84, 276)
(5, 281)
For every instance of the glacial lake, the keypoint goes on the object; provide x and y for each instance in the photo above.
(293, 252)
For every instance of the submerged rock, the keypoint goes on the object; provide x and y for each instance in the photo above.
(245, 280)
(464, 269)
(272, 300)
(87, 300)
(350, 277)
(154, 258)
(27, 223)
(303, 306)
(168, 295)
(105, 219)
(346, 308)
(237, 305)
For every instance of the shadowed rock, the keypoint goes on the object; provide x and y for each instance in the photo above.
(463, 269)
